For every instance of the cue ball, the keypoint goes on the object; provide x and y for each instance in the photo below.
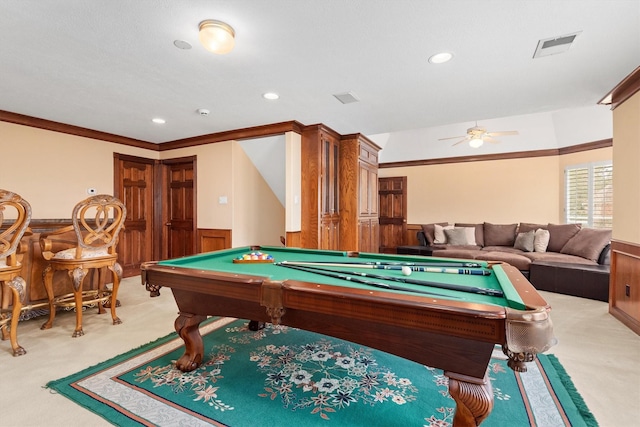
(406, 270)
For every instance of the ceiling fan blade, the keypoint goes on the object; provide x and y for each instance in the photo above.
(461, 141)
(452, 137)
(503, 133)
(491, 140)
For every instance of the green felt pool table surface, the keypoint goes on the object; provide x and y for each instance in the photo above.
(223, 261)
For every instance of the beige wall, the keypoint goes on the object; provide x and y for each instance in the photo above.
(258, 215)
(53, 171)
(626, 173)
(497, 191)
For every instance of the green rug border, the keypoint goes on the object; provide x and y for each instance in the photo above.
(63, 385)
(555, 372)
(562, 378)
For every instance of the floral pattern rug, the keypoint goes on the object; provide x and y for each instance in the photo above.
(285, 376)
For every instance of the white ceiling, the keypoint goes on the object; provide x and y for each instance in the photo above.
(112, 66)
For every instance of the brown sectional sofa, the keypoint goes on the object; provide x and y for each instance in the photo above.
(563, 258)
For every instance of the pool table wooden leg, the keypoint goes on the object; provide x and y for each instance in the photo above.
(187, 326)
(474, 399)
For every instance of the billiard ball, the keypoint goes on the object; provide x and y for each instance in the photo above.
(406, 270)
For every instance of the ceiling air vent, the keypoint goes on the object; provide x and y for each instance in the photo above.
(555, 45)
(347, 98)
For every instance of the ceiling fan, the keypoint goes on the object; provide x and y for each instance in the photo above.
(478, 135)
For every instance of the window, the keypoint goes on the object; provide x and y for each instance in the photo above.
(589, 194)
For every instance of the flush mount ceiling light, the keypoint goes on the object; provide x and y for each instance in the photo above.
(216, 36)
(440, 58)
(270, 95)
(158, 120)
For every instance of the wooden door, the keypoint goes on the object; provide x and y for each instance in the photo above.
(392, 193)
(134, 186)
(180, 207)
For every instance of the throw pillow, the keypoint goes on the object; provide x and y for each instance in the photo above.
(479, 233)
(524, 241)
(458, 236)
(439, 236)
(499, 234)
(587, 243)
(541, 240)
(429, 231)
(559, 235)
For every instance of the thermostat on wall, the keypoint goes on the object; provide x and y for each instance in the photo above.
(92, 191)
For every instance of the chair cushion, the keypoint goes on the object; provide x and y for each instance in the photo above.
(86, 253)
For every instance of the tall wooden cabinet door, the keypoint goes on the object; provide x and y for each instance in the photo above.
(393, 217)
(329, 193)
(180, 220)
(134, 187)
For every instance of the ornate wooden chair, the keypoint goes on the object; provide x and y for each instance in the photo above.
(95, 250)
(14, 207)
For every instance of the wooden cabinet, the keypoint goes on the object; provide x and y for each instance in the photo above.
(624, 285)
(320, 190)
(359, 194)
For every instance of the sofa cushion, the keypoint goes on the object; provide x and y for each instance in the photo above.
(479, 231)
(429, 230)
(499, 234)
(559, 235)
(558, 257)
(518, 260)
(587, 243)
(458, 253)
(541, 240)
(528, 226)
(524, 241)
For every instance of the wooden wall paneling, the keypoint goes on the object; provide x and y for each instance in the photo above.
(624, 284)
(293, 239)
(213, 239)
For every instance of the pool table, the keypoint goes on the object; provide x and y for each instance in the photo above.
(451, 329)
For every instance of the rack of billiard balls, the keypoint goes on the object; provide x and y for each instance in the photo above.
(254, 257)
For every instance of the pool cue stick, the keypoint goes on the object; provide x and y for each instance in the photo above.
(405, 263)
(449, 286)
(396, 267)
(346, 277)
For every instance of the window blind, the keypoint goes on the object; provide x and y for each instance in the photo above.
(589, 195)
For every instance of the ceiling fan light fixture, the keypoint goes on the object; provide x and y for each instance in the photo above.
(476, 142)
(216, 36)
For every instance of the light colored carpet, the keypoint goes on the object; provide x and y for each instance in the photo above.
(589, 339)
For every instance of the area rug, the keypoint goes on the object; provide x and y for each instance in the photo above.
(283, 376)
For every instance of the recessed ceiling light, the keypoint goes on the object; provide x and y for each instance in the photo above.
(440, 58)
(158, 120)
(270, 95)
